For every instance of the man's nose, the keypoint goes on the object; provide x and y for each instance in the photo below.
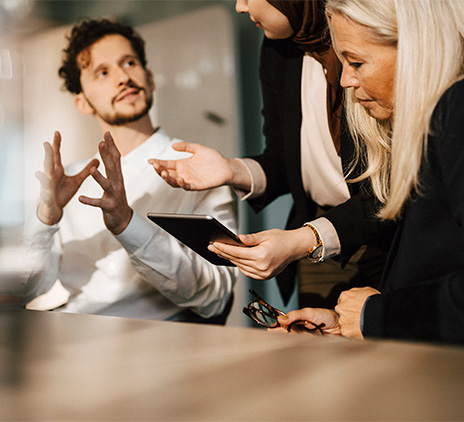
(122, 76)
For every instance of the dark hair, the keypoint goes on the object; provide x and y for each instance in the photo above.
(86, 33)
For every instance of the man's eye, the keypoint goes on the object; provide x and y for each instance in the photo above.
(102, 74)
(356, 65)
(129, 63)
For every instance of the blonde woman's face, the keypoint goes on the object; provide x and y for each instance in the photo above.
(368, 68)
(273, 22)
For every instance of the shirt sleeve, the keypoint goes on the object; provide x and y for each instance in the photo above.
(177, 272)
(258, 179)
(329, 237)
(43, 253)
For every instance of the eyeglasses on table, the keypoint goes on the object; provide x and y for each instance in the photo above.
(266, 315)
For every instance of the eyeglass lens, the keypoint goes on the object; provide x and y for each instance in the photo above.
(262, 315)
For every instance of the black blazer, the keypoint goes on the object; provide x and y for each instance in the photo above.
(423, 282)
(280, 75)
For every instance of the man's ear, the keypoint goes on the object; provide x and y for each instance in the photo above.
(82, 104)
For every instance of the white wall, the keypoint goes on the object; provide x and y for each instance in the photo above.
(192, 57)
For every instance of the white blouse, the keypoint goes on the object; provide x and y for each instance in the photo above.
(321, 166)
(142, 272)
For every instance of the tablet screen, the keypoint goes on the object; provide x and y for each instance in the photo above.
(197, 232)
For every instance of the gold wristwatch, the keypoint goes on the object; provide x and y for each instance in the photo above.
(315, 253)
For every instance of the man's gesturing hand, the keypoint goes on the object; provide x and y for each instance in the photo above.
(116, 211)
(57, 189)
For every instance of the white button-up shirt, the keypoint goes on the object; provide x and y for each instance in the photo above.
(143, 272)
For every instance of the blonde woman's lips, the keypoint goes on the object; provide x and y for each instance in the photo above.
(363, 101)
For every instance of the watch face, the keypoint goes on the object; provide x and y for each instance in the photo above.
(317, 253)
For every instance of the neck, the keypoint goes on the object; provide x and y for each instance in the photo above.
(129, 136)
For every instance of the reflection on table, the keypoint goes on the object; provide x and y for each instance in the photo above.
(57, 366)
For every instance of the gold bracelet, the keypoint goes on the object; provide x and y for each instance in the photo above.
(315, 253)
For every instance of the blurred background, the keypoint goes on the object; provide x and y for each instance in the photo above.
(205, 60)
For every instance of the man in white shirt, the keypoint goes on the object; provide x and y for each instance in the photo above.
(122, 264)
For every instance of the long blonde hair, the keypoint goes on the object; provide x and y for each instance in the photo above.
(429, 37)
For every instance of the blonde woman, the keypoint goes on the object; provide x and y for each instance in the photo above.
(402, 68)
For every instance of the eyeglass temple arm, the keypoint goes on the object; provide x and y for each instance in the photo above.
(257, 296)
(264, 303)
(302, 325)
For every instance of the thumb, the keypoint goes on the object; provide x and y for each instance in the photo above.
(251, 239)
(186, 147)
(85, 172)
(42, 178)
(94, 163)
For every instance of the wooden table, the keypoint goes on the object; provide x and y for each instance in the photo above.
(67, 367)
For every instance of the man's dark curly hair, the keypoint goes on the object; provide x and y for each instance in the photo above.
(85, 34)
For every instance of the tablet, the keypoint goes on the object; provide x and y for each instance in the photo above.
(197, 232)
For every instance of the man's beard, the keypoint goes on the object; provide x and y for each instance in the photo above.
(119, 119)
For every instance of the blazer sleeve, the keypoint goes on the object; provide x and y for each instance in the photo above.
(275, 59)
(433, 311)
(356, 224)
(355, 220)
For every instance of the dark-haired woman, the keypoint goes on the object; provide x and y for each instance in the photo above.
(307, 152)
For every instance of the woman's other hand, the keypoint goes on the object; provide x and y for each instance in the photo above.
(207, 168)
(349, 308)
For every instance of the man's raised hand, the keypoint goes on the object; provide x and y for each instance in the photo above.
(56, 188)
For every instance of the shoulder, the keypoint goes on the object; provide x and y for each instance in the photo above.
(447, 123)
(285, 47)
(279, 51)
(453, 96)
(449, 112)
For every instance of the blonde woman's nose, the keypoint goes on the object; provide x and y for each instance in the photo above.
(348, 79)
